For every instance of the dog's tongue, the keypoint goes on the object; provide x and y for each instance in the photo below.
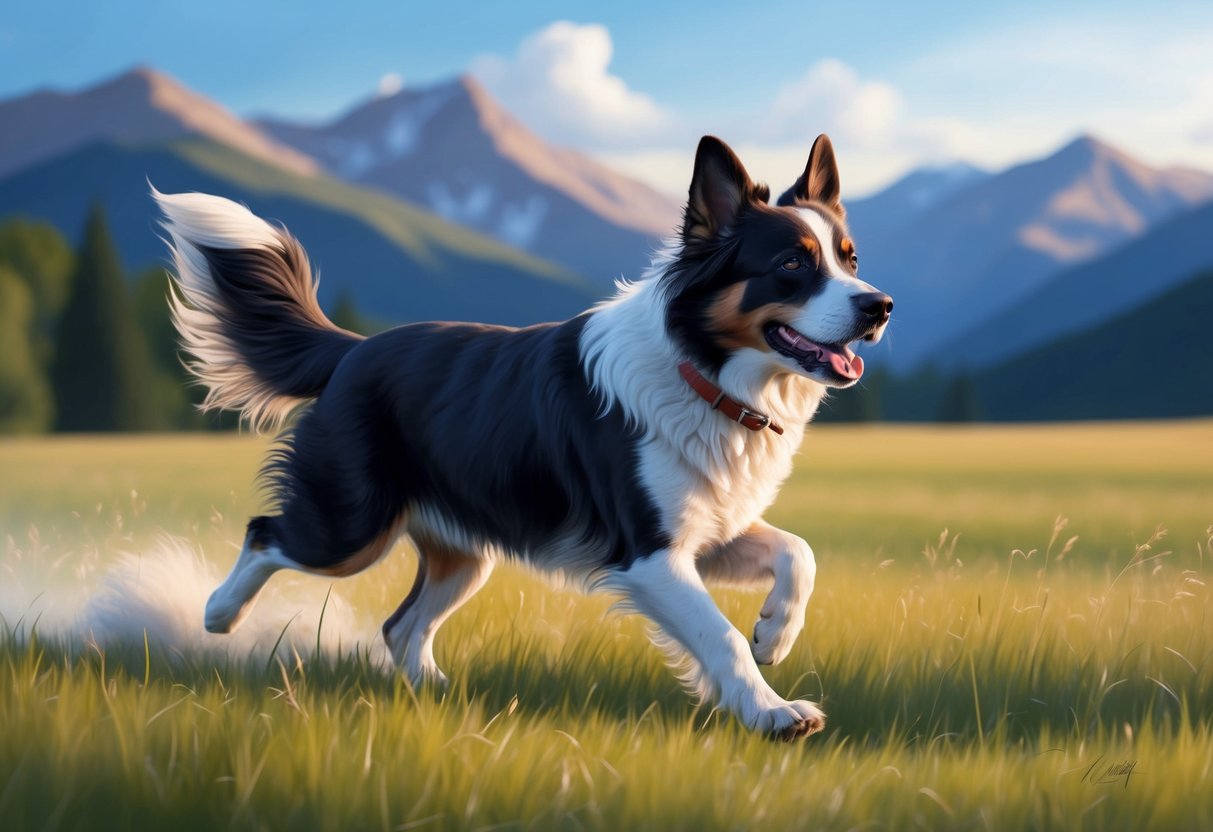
(844, 362)
(847, 366)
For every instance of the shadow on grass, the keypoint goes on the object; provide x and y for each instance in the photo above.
(983, 699)
(578, 684)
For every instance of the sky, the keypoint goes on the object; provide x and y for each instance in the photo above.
(896, 85)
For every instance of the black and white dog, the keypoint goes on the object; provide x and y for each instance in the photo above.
(633, 448)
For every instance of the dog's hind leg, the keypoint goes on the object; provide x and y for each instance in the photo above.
(260, 558)
(446, 578)
(264, 554)
(765, 553)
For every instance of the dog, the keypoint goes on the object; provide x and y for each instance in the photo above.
(632, 448)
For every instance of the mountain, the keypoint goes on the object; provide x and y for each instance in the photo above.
(1087, 294)
(991, 243)
(454, 150)
(141, 105)
(396, 261)
(1155, 360)
(917, 191)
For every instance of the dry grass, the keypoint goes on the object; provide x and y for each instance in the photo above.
(981, 678)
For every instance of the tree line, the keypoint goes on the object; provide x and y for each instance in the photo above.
(82, 346)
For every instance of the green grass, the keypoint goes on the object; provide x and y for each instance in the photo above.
(970, 681)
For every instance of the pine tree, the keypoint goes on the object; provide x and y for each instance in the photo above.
(37, 254)
(25, 401)
(101, 374)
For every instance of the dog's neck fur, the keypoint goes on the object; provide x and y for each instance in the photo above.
(733, 474)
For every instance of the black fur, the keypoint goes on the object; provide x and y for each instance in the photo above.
(492, 427)
(819, 182)
(275, 323)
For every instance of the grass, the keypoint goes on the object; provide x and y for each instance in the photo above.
(982, 678)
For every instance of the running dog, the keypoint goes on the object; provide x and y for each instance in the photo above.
(633, 448)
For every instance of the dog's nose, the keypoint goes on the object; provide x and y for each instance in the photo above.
(874, 304)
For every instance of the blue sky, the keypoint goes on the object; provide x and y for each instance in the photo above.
(896, 84)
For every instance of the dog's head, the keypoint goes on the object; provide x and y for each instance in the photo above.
(780, 281)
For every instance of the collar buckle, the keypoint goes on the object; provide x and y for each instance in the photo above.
(717, 400)
(761, 419)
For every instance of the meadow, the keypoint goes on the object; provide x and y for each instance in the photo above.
(1012, 629)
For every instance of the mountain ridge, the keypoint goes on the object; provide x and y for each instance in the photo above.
(1089, 293)
(991, 243)
(140, 104)
(452, 148)
(398, 262)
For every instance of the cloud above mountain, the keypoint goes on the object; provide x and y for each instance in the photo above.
(559, 82)
(831, 92)
(992, 98)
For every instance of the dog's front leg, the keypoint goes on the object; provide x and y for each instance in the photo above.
(666, 587)
(761, 554)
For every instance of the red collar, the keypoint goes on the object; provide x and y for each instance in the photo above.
(731, 408)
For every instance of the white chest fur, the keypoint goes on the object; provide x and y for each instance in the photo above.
(709, 478)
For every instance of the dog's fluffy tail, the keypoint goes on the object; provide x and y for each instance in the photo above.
(246, 309)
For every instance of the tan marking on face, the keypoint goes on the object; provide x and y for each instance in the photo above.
(734, 329)
(813, 248)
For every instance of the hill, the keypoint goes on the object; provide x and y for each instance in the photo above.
(1153, 361)
(396, 261)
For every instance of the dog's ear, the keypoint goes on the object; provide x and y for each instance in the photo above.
(819, 182)
(719, 188)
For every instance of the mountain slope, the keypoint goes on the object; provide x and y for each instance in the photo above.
(1155, 360)
(141, 105)
(453, 149)
(396, 261)
(916, 192)
(1090, 293)
(993, 242)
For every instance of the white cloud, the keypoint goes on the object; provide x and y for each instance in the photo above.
(868, 120)
(993, 100)
(560, 85)
(389, 84)
(831, 97)
(1143, 85)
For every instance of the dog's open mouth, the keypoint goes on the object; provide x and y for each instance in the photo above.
(811, 355)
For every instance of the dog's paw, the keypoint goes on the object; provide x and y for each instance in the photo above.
(428, 677)
(790, 721)
(435, 681)
(222, 616)
(773, 638)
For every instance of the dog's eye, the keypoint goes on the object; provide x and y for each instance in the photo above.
(791, 264)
